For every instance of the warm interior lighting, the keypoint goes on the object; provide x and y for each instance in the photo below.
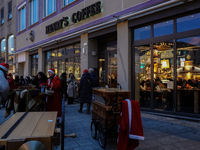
(165, 63)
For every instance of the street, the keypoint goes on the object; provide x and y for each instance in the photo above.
(161, 133)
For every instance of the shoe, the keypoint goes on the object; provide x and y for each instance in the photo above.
(81, 107)
(79, 111)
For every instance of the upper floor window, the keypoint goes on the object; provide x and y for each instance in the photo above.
(142, 33)
(163, 28)
(190, 22)
(22, 18)
(9, 10)
(66, 2)
(2, 16)
(34, 11)
(49, 7)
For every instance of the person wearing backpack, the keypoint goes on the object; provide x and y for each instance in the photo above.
(85, 90)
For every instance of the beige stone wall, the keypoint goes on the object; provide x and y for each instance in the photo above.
(124, 55)
(108, 8)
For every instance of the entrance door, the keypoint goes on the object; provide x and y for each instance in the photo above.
(112, 70)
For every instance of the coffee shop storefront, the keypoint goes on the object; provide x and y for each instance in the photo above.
(166, 60)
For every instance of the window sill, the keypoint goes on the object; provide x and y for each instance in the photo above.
(48, 15)
(21, 31)
(33, 24)
(68, 5)
(1, 24)
(9, 19)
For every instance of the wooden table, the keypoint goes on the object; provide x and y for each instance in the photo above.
(38, 126)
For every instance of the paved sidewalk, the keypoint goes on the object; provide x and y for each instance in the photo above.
(161, 133)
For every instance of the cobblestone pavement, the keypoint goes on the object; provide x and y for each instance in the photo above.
(161, 133)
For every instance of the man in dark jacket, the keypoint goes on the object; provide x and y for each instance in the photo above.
(85, 90)
(94, 78)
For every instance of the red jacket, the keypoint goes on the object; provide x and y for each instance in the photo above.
(130, 129)
(54, 102)
(11, 83)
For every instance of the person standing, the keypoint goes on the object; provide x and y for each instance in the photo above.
(71, 88)
(17, 82)
(39, 79)
(54, 102)
(94, 78)
(4, 85)
(85, 90)
(64, 84)
(10, 81)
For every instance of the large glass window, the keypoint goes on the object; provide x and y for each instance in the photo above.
(2, 16)
(66, 2)
(22, 18)
(77, 67)
(10, 48)
(163, 28)
(143, 75)
(49, 7)
(65, 59)
(163, 75)
(34, 11)
(188, 75)
(188, 22)
(34, 64)
(60, 67)
(10, 10)
(142, 33)
(3, 48)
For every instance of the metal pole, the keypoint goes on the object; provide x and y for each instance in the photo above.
(63, 123)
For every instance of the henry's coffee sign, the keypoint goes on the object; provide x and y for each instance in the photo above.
(76, 17)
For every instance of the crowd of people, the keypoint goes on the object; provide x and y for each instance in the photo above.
(65, 86)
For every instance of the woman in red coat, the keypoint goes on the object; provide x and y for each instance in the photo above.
(54, 102)
(10, 81)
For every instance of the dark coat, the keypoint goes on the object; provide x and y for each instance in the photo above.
(85, 88)
(95, 80)
(64, 84)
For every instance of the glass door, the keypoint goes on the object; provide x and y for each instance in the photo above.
(112, 70)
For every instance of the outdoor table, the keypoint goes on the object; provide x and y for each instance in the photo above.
(39, 126)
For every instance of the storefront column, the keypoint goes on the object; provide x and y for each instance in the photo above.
(88, 53)
(27, 70)
(124, 55)
(40, 60)
(84, 52)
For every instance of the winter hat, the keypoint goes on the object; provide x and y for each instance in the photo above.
(10, 75)
(51, 70)
(4, 66)
(84, 71)
(91, 70)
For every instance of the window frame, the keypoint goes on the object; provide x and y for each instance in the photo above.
(31, 13)
(10, 3)
(2, 10)
(63, 3)
(45, 8)
(20, 17)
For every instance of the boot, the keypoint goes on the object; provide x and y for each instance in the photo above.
(88, 108)
(81, 107)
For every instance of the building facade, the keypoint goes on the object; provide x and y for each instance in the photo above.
(150, 47)
(8, 33)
